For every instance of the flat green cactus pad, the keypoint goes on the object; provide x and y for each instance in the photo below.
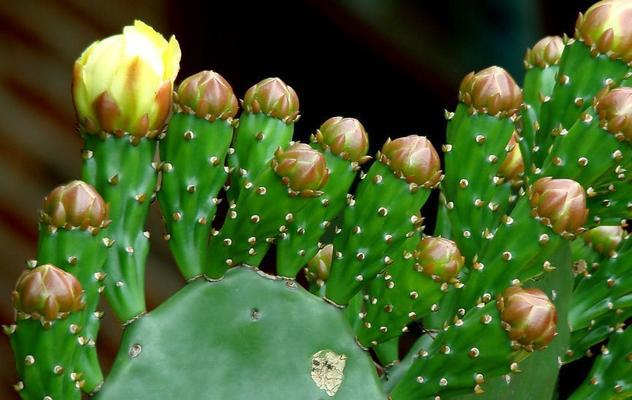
(248, 336)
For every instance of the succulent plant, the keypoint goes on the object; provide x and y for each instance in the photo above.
(505, 285)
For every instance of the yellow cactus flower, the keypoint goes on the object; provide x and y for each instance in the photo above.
(123, 84)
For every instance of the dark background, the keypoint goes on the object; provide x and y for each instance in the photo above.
(393, 64)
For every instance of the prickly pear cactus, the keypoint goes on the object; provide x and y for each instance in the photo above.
(529, 267)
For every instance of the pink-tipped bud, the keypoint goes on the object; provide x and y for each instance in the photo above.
(528, 316)
(606, 28)
(272, 97)
(605, 239)
(491, 91)
(75, 205)
(48, 293)
(559, 203)
(545, 53)
(413, 158)
(512, 168)
(345, 137)
(319, 266)
(301, 168)
(615, 112)
(208, 95)
(439, 257)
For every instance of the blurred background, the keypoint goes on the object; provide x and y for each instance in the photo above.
(393, 64)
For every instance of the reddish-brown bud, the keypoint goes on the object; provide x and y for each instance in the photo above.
(48, 293)
(319, 266)
(439, 257)
(491, 91)
(301, 168)
(208, 95)
(559, 203)
(546, 52)
(272, 97)
(605, 239)
(528, 316)
(615, 112)
(606, 28)
(345, 137)
(75, 205)
(512, 168)
(413, 158)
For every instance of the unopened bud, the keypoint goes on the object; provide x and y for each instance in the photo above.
(413, 158)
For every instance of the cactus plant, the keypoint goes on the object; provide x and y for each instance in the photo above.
(527, 270)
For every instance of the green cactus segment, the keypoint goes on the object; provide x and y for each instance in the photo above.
(476, 148)
(539, 82)
(257, 137)
(522, 248)
(388, 352)
(599, 330)
(384, 212)
(259, 360)
(461, 358)
(82, 254)
(606, 289)
(193, 173)
(399, 296)
(289, 182)
(581, 76)
(612, 206)
(48, 303)
(611, 375)
(124, 173)
(47, 358)
(299, 243)
(588, 154)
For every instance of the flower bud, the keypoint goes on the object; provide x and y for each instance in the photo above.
(345, 137)
(606, 28)
(319, 266)
(75, 205)
(413, 158)
(208, 95)
(124, 83)
(545, 53)
(272, 97)
(301, 168)
(528, 316)
(48, 293)
(605, 239)
(439, 257)
(559, 203)
(492, 91)
(615, 112)
(512, 166)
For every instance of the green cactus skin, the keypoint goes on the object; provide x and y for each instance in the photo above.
(599, 330)
(538, 85)
(460, 358)
(475, 149)
(299, 243)
(611, 375)
(39, 351)
(193, 154)
(256, 139)
(588, 154)
(522, 248)
(581, 76)
(82, 254)
(611, 207)
(388, 352)
(123, 171)
(398, 297)
(383, 213)
(607, 288)
(255, 359)
(251, 221)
